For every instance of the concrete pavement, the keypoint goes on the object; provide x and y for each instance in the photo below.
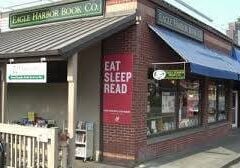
(218, 154)
(223, 153)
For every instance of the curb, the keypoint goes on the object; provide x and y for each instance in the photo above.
(232, 162)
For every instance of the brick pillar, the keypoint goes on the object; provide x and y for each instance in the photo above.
(118, 140)
(229, 99)
(204, 102)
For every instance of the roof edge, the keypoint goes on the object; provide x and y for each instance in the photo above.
(32, 54)
(97, 36)
(191, 19)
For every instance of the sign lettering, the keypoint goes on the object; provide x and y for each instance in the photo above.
(169, 74)
(175, 74)
(117, 89)
(27, 73)
(176, 24)
(56, 13)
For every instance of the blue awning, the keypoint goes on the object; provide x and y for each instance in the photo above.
(202, 60)
(236, 54)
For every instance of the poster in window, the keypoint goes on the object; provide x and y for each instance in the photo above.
(117, 88)
(168, 102)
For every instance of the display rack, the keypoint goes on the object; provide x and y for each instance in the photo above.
(84, 140)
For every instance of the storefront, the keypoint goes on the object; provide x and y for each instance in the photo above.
(151, 78)
(235, 100)
(51, 77)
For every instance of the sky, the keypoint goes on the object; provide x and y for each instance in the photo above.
(6, 3)
(221, 11)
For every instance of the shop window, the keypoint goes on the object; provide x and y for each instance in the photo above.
(172, 105)
(216, 103)
(161, 106)
(221, 115)
(57, 72)
(188, 104)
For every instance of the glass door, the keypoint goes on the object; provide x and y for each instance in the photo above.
(235, 110)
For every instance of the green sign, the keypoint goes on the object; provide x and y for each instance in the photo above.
(179, 25)
(175, 74)
(56, 13)
(26, 77)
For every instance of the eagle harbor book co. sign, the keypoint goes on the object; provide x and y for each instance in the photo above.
(56, 13)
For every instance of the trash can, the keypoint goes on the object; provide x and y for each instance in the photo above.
(2, 155)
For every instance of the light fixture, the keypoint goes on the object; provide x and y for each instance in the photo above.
(138, 19)
(11, 60)
(43, 59)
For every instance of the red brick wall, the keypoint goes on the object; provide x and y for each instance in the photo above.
(152, 49)
(111, 2)
(212, 41)
(179, 144)
(118, 140)
(129, 142)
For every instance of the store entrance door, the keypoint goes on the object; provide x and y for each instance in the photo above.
(235, 110)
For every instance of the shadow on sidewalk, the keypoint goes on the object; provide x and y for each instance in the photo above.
(221, 151)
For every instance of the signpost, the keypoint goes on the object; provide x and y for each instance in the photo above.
(60, 12)
(27, 73)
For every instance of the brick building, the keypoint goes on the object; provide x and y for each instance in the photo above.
(233, 31)
(152, 78)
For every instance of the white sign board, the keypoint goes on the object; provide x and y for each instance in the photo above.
(159, 74)
(27, 73)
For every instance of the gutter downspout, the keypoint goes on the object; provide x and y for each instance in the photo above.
(0, 21)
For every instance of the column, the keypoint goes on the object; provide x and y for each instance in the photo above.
(204, 102)
(229, 100)
(72, 104)
(3, 93)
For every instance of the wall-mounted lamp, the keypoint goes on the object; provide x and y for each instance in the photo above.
(43, 59)
(138, 19)
(11, 60)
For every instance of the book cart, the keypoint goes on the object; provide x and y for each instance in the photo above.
(84, 140)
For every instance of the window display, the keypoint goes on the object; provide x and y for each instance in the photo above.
(172, 105)
(175, 104)
(212, 103)
(161, 106)
(189, 103)
(221, 103)
(168, 102)
(216, 103)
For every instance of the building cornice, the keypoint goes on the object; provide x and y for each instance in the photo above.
(190, 18)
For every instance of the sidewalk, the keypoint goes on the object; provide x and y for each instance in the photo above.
(80, 164)
(219, 154)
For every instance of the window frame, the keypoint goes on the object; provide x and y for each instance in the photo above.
(199, 103)
(217, 83)
(177, 107)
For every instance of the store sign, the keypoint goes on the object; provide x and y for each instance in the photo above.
(56, 13)
(27, 73)
(168, 74)
(159, 74)
(179, 25)
(117, 89)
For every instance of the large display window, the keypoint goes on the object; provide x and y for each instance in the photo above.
(189, 103)
(216, 102)
(172, 105)
(161, 106)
